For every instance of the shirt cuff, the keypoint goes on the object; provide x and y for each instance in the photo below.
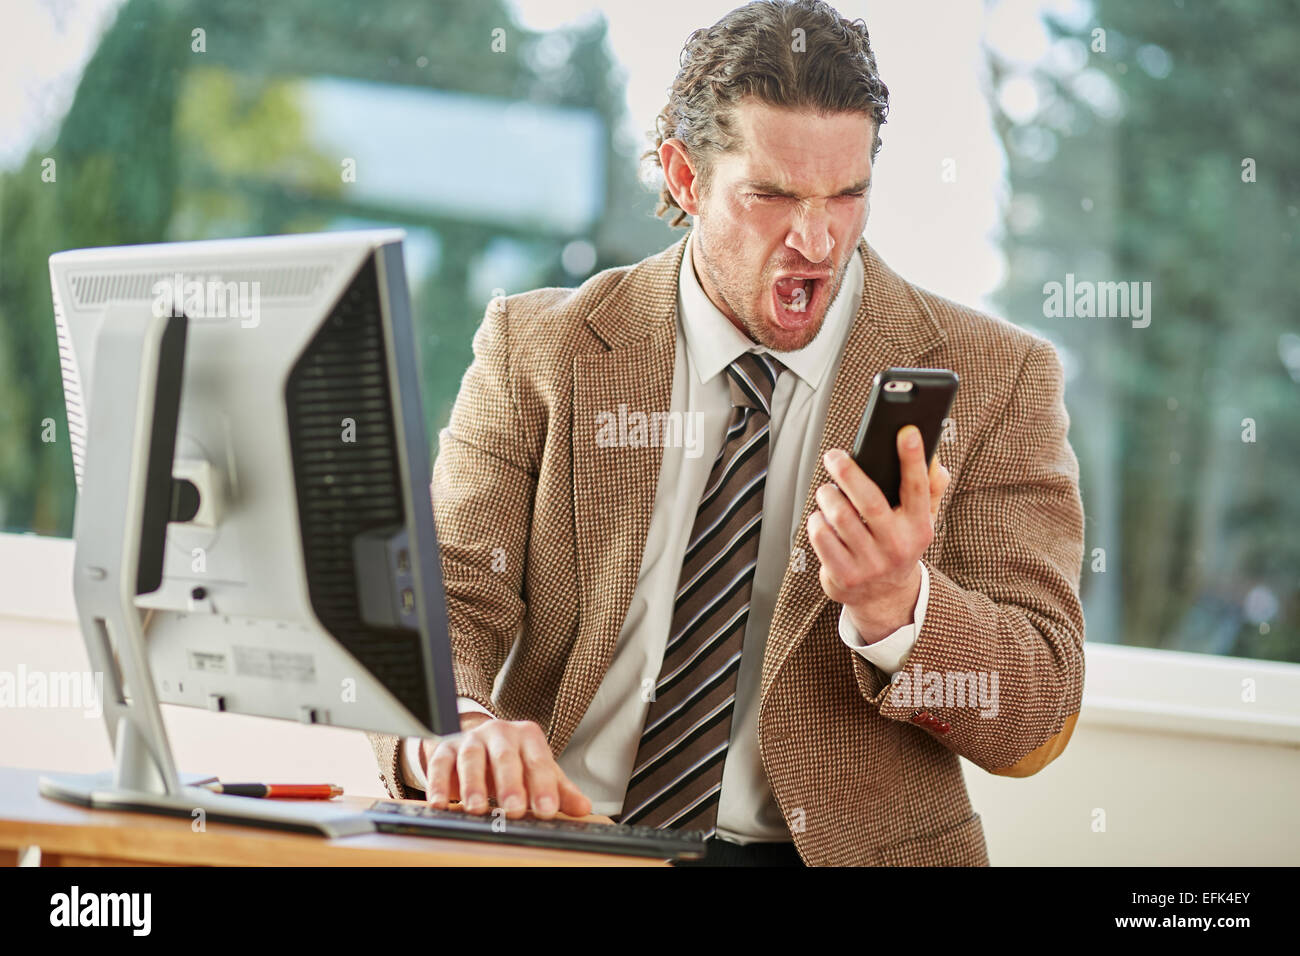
(468, 705)
(888, 653)
(412, 774)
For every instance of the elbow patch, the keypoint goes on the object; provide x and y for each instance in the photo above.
(1041, 756)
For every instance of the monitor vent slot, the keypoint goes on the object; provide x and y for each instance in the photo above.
(339, 390)
(90, 289)
(73, 399)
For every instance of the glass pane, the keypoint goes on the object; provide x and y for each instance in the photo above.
(499, 149)
(1152, 234)
(1137, 165)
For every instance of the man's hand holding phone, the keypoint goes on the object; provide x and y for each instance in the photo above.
(870, 552)
(509, 760)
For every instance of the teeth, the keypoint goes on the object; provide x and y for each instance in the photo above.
(798, 296)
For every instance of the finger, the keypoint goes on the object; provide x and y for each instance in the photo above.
(441, 769)
(914, 492)
(541, 770)
(830, 549)
(471, 766)
(939, 477)
(573, 801)
(507, 775)
(843, 518)
(939, 481)
(863, 493)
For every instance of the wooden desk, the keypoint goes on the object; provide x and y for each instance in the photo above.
(69, 835)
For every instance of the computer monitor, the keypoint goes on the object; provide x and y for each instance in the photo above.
(254, 530)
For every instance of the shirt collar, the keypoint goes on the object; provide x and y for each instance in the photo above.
(714, 343)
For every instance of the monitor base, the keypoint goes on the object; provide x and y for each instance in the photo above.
(97, 792)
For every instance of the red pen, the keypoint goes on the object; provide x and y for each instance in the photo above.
(283, 791)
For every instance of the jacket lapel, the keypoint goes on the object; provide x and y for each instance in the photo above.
(892, 328)
(614, 487)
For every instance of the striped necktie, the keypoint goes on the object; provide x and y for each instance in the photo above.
(677, 775)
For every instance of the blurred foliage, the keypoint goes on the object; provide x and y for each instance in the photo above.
(164, 143)
(1132, 170)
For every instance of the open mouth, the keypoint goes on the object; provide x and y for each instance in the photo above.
(796, 298)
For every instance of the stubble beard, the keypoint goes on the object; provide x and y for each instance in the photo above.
(758, 328)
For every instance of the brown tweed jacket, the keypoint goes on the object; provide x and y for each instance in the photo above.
(863, 772)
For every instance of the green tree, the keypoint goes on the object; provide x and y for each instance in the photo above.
(163, 143)
(1164, 151)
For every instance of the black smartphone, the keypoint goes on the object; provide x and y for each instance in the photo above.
(901, 396)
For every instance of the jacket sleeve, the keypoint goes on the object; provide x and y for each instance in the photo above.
(484, 483)
(996, 673)
(388, 751)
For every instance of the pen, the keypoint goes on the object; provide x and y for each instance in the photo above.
(286, 791)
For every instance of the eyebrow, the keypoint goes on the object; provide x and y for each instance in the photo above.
(774, 190)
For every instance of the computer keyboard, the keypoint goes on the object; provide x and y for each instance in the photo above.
(392, 816)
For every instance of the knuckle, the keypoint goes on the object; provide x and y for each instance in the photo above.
(469, 751)
(536, 762)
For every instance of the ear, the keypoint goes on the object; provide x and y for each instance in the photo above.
(680, 175)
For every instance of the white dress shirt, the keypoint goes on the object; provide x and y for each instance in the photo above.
(600, 754)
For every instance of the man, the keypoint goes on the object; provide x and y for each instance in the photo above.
(673, 596)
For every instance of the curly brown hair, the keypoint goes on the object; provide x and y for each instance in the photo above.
(796, 54)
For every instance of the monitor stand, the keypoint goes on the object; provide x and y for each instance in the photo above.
(126, 486)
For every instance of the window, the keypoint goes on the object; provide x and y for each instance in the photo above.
(1152, 233)
(499, 152)
(1117, 177)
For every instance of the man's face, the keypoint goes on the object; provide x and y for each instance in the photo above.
(781, 218)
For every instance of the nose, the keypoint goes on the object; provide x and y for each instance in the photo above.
(810, 235)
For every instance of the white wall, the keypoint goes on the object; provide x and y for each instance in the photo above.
(1169, 800)
(1186, 772)
(231, 746)
(37, 629)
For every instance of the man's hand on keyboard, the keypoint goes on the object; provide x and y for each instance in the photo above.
(509, 760)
